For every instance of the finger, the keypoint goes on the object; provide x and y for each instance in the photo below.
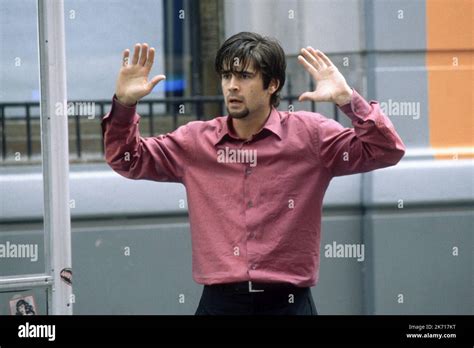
(310, 58)
(311, 96)
(305, 96)
(143, 55)
(310, 68)
(136, 54)
(321, 62)
(154, 81)
(151, 58)
(324, 58)
(125, 56)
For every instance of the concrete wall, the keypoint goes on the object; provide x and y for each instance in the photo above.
(132, 253)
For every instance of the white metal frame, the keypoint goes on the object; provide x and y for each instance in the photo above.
(55, 153)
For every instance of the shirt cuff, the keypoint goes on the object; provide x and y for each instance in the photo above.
(358, 108)
(122, 114)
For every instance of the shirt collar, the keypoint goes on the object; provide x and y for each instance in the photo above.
(273, 124)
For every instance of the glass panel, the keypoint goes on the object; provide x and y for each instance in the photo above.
(21, 179)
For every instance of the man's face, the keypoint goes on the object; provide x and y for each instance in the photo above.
(243, 92)
(22, 309)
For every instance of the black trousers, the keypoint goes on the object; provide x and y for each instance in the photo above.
(236, 299)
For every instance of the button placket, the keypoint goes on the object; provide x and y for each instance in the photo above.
(248, 170)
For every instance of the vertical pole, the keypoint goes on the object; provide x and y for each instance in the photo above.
(55, 152)
(28, 131)
(169, 16)
(196, 78)
(4, 133)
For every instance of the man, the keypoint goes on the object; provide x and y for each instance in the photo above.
(255, 179)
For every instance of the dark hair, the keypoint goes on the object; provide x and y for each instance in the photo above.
(28, 307)
(265, 53)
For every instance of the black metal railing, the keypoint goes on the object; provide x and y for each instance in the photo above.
(171, 103)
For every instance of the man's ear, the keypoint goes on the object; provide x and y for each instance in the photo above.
(273, 86)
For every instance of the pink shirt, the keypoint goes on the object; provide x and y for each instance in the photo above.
(255, 206)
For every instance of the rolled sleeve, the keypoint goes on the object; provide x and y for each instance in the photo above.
(160, 158)
(373, 143)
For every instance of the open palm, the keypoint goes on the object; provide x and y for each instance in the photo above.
(331, 86)
(132, 82)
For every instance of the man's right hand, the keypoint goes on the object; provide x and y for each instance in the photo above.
(132, 82)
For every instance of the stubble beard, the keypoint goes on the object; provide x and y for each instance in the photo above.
(239, 114)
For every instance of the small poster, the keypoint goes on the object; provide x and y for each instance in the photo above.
(25, 305)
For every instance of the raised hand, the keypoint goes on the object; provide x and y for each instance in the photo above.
(132, 82)
(330, 84)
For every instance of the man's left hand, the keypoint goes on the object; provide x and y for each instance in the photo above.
(331, 86)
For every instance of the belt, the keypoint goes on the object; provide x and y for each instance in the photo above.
(249, 286)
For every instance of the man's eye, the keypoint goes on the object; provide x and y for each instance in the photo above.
(225, 76)
(246, 76)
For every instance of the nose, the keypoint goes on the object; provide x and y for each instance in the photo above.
(233, 85)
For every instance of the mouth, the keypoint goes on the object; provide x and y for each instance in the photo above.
(234, 101)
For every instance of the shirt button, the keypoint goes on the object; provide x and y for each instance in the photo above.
(249, 204)
(254, 266)
(248, 171)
